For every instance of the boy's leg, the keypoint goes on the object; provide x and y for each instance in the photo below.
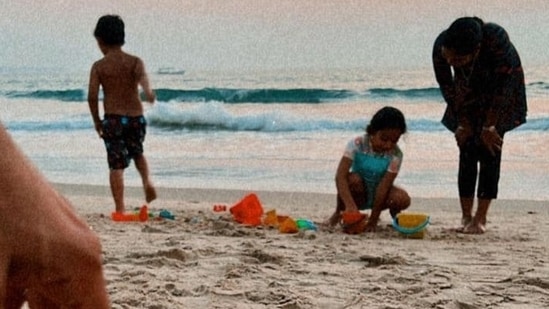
(134, 142)
(116, 178)
(143, 169)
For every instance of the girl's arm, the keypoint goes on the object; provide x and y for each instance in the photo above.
(380, 198)
(342, 184)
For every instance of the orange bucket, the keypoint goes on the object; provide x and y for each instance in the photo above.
(248, 210)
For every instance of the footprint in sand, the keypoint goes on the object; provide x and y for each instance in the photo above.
(263, 257)
(375, 261)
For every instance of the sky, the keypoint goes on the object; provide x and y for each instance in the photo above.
(257, 34)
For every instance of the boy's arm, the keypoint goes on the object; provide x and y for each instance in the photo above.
(144, 83)
(93, 99)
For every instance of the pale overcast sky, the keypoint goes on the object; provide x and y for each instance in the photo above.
(227, 34)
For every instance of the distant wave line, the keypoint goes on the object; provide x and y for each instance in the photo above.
(263, 95)
(208, 118)
(235, 96)
(68, 95)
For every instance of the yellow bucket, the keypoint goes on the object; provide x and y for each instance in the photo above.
(412, 225)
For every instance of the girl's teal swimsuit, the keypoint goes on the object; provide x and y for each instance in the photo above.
(371, 167)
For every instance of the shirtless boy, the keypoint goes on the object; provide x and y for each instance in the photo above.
(123, 127)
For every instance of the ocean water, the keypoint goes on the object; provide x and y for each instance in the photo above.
(265, 130)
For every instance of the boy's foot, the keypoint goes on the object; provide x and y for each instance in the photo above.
(150, 193)
(334, 219)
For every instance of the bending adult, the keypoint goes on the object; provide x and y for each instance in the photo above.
(481, 79)
(49, 257)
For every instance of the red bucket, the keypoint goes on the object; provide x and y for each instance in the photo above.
(248, 211)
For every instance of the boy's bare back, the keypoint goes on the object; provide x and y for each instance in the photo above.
(120, 74)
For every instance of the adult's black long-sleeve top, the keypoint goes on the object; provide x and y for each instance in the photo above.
(489, 91)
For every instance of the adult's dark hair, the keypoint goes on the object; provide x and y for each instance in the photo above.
(387, 118)
(110, 30)
(464, 35)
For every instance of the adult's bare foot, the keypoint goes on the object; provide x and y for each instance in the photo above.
(474, 228)
(465, 221)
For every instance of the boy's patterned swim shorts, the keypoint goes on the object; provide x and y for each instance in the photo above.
(123, 137)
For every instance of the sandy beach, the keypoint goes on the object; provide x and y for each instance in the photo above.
(203, 259)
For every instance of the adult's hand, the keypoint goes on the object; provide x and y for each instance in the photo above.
(491, 140)
(462, 134)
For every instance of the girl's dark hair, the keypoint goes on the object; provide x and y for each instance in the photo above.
(110, 30)
(464, 35)
(387, 118)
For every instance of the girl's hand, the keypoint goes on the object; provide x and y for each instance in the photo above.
(371, 226)
(351, 208)
(353, 222)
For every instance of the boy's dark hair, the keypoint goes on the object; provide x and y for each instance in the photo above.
(387, 118)
(110, 30)
(464, 35)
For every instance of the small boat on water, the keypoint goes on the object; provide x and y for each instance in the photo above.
(170, 71)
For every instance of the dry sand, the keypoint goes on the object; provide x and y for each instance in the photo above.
(203, 259)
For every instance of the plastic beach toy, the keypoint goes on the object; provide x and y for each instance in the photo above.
(353, 222)
(166, 214)
(248, 210)
(412, 225)
(141, 216)
(219, 208)
(304, 224)
(288, 226)
(272, 219)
